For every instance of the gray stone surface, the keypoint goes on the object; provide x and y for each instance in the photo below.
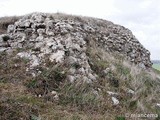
(66, 39)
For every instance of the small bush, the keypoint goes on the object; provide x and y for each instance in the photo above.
(113, 79)
(133, 104)
(59, 74)
(6, 38)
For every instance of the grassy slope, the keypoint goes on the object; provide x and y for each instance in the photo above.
(19, 89)
(156, 66)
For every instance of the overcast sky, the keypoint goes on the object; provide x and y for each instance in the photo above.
(140, 16)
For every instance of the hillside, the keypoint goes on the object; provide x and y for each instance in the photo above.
(156, 64)
(156, 61)
(58, 66)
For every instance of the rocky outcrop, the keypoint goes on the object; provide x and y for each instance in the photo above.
(65, 38)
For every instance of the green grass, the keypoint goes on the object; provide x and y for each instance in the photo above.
(19, 90)
(156, 66)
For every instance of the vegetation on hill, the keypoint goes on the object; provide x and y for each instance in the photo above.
(19, 90)
(5, 21)
(156, 61)
(49, 96)
(156, 66)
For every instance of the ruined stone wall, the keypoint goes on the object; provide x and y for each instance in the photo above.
(65, 38)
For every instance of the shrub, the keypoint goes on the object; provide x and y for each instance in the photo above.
(5, 38)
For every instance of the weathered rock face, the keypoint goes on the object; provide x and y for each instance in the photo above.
(65, 38)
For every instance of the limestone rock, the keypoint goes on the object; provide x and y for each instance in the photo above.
(58, 56)
(24, 55)
(129, 91)
(10, 29)
(158, 105)
(64, 40)
(2, 49)
(112, 93)
(34, 61)
(115, 101)
(71, 78)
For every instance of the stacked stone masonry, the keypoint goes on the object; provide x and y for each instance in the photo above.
(64, 39)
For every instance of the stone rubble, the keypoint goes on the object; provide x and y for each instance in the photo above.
(115, 101)
(111, 93)
(129, 91)
(158, 105)
(65, 40)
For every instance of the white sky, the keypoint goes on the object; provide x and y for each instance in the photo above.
(140, 16)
